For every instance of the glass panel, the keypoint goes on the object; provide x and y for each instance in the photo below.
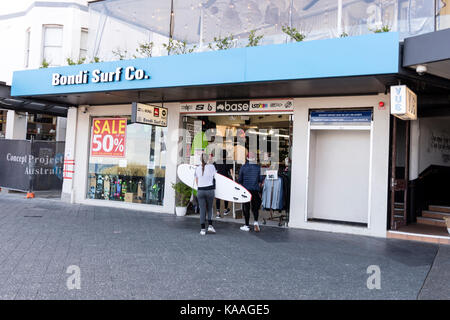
(140, 176)
(119, 27)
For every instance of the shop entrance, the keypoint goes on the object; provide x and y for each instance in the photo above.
(420, 175)
(231, 137)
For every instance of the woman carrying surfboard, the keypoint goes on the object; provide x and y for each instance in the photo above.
(204, 178)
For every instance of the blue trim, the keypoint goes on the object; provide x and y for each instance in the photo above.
(372, 54)
(43, 4)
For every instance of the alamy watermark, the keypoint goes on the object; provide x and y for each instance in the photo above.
(374, 280)
(74, 280)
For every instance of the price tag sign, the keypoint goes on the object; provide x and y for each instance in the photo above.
(109, 137)
(272, 174)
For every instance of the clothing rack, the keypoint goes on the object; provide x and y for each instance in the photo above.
(282, 218)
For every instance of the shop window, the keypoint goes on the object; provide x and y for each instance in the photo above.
(27, 47)
(52, 45)
(3, 114)
(83, 43)
(41, 127)
(138, 175)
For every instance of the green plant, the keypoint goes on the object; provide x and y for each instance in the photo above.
(121, 55)
(178, 47)
(343, 34)
(383, 29)
(45, 64)
(293, 33)
(182, 194)
(70, 62)
(145, 49)
(96, 60)
(222, 43)
(253, 39)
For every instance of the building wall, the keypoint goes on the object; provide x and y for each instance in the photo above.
(434, 142)
(379, 160)
(378, 175)
(17, 17)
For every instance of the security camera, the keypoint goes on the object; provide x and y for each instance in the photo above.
(84, 109)
(421, 69)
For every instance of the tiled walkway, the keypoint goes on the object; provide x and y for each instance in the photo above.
(136, 255)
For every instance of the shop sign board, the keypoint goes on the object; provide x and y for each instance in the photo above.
(344, 116)
(31, 165)
(403, 103)
(277, 105)
(238, 106)
(109, 137)
(148, 114)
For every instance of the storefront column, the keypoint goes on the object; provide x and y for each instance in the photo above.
(16, 126)
(67, 193)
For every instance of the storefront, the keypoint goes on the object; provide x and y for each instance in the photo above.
(229, 129)
(327, 114)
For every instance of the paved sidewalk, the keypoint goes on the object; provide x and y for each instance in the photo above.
(124, 254)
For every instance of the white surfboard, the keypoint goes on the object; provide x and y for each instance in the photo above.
(226, 189)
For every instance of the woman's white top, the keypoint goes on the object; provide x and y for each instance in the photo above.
(205, 179)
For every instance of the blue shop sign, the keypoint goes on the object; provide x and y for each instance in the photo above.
(347, 116)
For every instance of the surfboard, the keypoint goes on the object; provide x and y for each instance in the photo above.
(226, 189)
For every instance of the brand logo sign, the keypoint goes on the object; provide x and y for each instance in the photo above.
(98, 76)
(147, 114)
(238, 106)
(272, 105)
(198, 107)
(233, 106)
(403, 103)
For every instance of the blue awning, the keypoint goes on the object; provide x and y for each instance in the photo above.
(374, 54)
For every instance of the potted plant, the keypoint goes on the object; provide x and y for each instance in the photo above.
(182, 197)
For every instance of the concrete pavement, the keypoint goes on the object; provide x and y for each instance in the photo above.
(125, 254)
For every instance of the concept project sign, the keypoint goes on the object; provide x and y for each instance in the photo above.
(98, 76)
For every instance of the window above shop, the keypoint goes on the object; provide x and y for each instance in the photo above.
(52, 45)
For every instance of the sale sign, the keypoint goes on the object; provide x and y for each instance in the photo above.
(108, 137)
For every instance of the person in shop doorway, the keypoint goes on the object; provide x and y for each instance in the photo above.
(250, 177)
(225, 169)
(204, 178)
